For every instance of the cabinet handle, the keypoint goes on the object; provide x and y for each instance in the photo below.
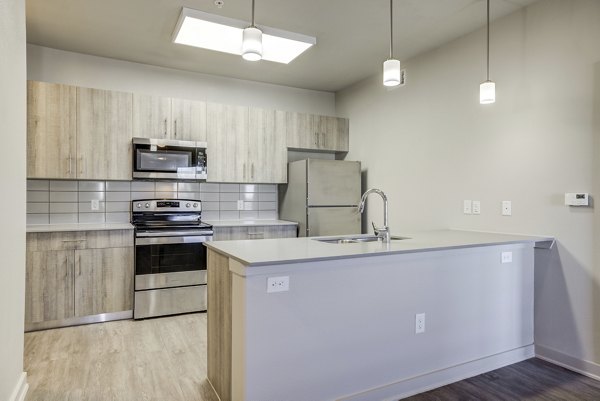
(69, 169)
(175, 128)
(80, 163)
(317, 139)
(74, 240)
(244, 172)
(165, 127)
(323, 139)
(252, 171)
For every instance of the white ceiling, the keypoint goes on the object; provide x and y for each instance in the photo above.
(352, 35)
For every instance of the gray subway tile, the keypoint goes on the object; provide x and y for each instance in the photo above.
(63, 207)
(267, 214)
(188, 187)
(210, 205)
(38, 218)
(118, 196)
(91, 217)
(229, 196)
(38, 196)
(118, 206)
(249, 197)
(248, 187)
(118, 186)
(38, 207)
(117, 217)
(166, 195)
(91, 186)
(250, 205)
(38, 185)
(228, 206)
(145, 186)
(142, 195)
(56, 185)
(229, 215)
(162, 186)
(209, 196)
(86, 207)
(229, 187)
(88, 196)
(267, 205)
(63, 218)
(267, 188)
(248, 214)
(63, 196)
(210, 215)
(267, 197)
(209, 187)
(188, 195)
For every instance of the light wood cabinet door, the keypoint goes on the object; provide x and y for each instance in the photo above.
(103, 280)
(151, 116)
(314, 132)
(188, 118)
(300, 131)
(51, 130)
(267, 151)
(49, 286)
(227, 138)
(342, 135)
(254, 232)
(104, 132)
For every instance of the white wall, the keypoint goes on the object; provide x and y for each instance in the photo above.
(430, 145)
(51, 65)
(12, 173)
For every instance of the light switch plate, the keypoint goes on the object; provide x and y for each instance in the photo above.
(467, 207)
(476, 207)
(506, 208)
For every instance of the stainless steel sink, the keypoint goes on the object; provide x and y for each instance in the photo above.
(357, 239)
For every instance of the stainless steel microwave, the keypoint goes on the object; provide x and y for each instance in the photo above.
(164, 158)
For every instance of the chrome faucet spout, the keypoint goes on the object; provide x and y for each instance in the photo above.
(381, 232)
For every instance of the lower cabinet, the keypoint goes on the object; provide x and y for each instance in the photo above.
(74, 275)
(254, 232)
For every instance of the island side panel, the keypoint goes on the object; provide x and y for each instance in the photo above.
(219, 324)
(346, 328)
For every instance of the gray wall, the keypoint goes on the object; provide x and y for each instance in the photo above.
(430, 145)
(51, 65)
(12, 173)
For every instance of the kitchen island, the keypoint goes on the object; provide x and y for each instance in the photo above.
(345, 329)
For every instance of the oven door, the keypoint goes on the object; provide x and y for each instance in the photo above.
(170, 261)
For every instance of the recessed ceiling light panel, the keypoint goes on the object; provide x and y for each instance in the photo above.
(215, 32)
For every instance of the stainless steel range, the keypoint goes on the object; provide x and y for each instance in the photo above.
(170, 257)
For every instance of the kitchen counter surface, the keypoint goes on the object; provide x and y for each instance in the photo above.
(45, 228)
(238, 223)
(295, 250)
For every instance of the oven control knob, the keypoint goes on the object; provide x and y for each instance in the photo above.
(195, 205)
(187, 205)
(147, 205)
(139, 205)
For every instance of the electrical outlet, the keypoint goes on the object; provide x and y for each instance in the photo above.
(476, 207)
(506, 257)
(278, 284)
(419, 323)
(467, 207)
(506, 208)
(95, 204)
(240, 205)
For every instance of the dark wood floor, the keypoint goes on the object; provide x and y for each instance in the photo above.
(532, 379)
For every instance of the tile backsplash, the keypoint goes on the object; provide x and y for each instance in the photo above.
(57, 201)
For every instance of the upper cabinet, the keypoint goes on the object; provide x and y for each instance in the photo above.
(267, 152)
(314, 132)
(169, 118)
(103, 134)
(51, 130)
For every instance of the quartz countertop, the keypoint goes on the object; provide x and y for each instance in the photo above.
(44, 228)
(238, 223)
(296, 250)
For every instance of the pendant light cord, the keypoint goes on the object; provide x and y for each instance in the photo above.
(488, 39)
(253, 12)
(391, 30)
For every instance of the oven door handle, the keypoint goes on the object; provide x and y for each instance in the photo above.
(192, 239)
(181, 233)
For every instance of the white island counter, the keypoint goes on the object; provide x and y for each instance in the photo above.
(345, 328)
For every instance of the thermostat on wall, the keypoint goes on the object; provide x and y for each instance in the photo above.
(577, 199)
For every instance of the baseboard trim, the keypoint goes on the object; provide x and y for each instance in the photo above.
(438, 378)
(581, 366)
(21, 388)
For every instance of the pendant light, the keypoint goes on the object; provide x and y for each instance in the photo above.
(252, 41)
(391, 66)
(487, 90)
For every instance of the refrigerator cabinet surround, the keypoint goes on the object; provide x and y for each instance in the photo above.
(322, 196)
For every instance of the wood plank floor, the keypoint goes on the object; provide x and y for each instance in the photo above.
(532, 379)
(164, 359)
(160, 359)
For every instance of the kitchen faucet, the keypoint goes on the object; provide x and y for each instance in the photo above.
(380, 232)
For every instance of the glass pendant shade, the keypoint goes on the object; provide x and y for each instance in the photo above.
(391, 72)
(487, 92)
(252, 44)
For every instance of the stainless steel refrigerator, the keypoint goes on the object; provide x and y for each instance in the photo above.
(322, 196)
